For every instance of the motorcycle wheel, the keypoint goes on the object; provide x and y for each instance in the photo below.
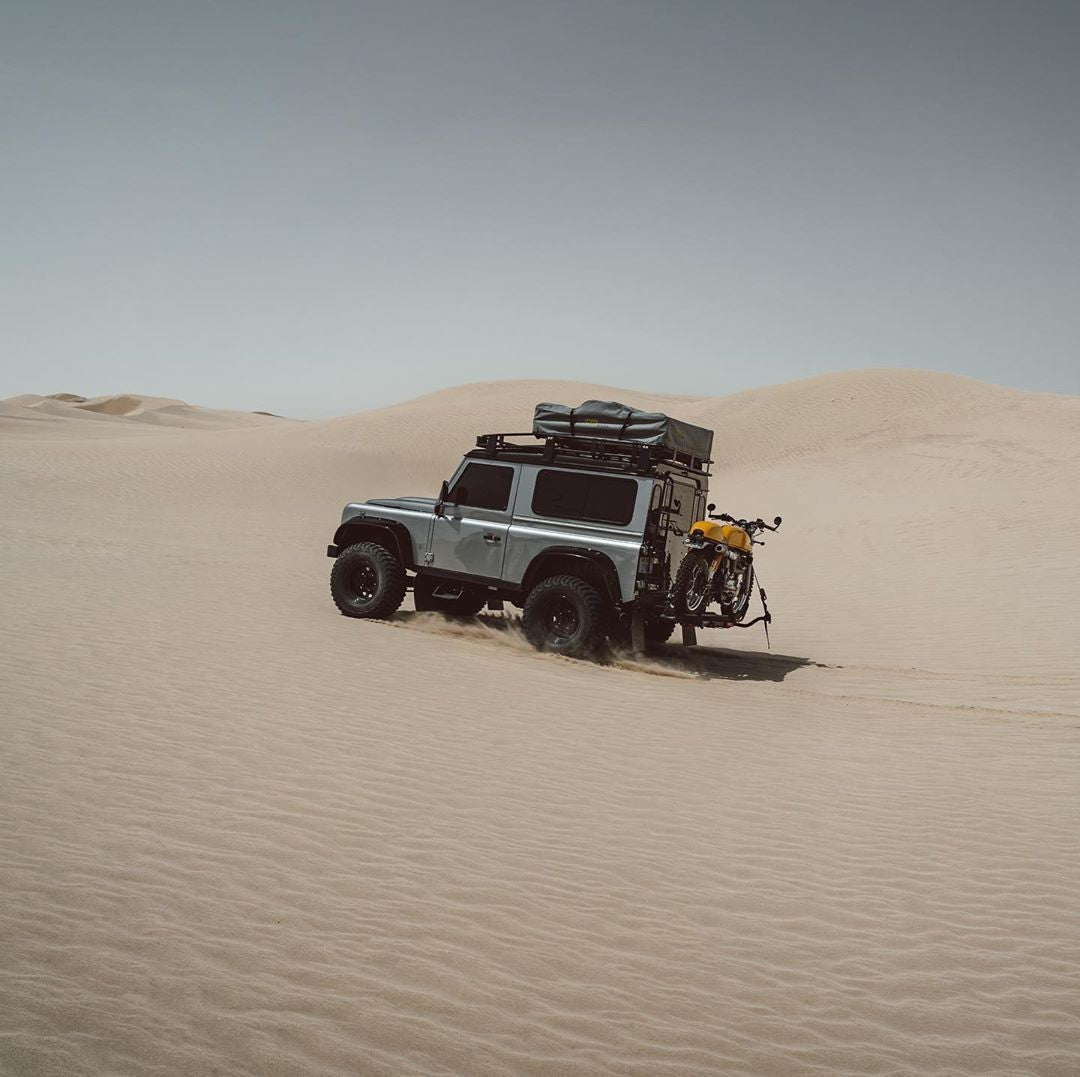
(736, 608)
(692, 589)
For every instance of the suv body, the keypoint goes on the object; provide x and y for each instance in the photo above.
(513, 516)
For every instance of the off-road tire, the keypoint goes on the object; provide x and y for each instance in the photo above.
(565, 615)
(468, 604)
(690, 564)
(367, 580)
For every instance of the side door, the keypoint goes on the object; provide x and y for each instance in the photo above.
(471, 536)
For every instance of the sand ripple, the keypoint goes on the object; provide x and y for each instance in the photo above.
(243, 835)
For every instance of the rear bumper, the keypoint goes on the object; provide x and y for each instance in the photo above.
(331, 551)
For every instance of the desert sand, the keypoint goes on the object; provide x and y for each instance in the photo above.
(245, 835)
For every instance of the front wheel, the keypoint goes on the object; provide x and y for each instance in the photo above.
(692, 589)
(565, 615)
(367, 580)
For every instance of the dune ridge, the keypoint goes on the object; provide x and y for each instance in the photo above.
(119, 413)
(246, 835)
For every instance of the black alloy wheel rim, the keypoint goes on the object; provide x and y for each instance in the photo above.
(365, 582)
(562, 620)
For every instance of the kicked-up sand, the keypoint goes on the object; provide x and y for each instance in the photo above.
(244, 835)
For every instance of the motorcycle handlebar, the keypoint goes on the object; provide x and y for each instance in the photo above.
(749, 525)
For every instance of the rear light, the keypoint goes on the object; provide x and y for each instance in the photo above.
(651, 565)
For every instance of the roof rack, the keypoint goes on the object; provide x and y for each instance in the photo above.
(603, 453)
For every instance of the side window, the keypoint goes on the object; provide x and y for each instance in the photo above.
(483, 486)
(570, 495)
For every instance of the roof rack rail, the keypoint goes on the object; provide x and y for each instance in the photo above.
(596, 452)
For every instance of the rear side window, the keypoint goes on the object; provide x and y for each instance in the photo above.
(570, 495)
(483, 486)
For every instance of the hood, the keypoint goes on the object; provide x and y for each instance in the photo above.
(417, 504)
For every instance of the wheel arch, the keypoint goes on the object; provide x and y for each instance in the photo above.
(392, 534)
(592, 565)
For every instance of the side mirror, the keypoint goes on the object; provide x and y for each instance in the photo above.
(444, 490)
(777, 522)
(710, 507)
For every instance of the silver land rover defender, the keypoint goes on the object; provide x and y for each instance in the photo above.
(582, 526)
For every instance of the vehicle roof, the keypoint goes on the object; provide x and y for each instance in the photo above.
(567, 465)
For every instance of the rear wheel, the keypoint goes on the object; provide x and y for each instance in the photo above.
(692, 589)
(367, 580)
(565, 615)
(442, 596)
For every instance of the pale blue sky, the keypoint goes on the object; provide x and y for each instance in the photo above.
(320, 207)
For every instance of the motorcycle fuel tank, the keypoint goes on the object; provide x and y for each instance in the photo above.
(728, 534)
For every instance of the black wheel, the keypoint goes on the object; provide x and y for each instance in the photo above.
(565, 615)
(468, 603)
(367, 580)
(692, 589)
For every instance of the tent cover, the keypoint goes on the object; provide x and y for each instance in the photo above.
(612, 421)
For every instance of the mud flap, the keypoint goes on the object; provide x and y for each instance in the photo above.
(637, 632)
(689, 636)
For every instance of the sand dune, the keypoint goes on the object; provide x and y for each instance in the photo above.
(122, 404)
(31, 414)
(906, 495)
(244, 835)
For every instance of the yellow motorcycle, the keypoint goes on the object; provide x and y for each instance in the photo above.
(719, 567)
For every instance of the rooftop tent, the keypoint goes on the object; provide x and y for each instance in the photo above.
(609, 420)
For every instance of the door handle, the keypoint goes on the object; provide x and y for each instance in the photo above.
(489, 537)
